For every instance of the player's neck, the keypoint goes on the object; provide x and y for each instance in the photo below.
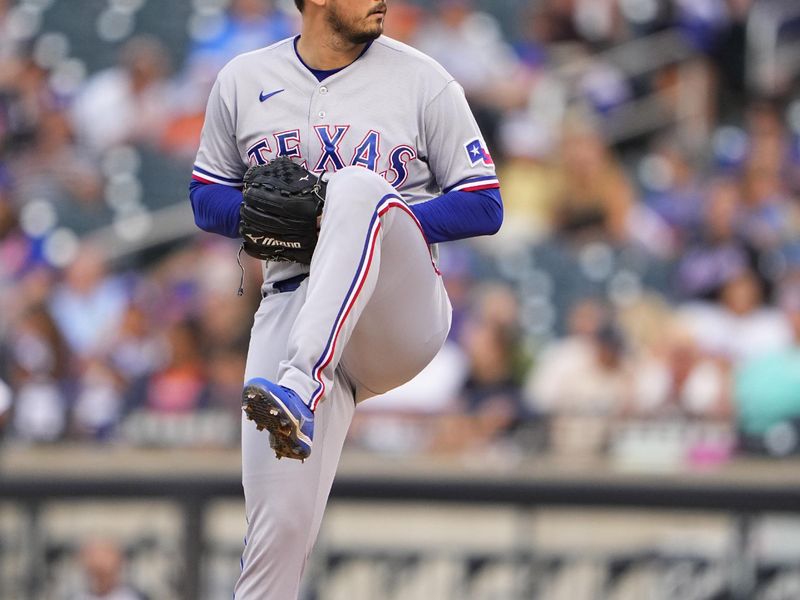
(326, 50)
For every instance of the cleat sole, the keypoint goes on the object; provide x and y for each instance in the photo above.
(263, 409)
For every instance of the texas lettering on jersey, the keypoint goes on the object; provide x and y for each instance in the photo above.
(423, 141)
(330, 138)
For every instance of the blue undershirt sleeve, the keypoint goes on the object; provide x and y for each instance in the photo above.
(451, 216)
(458, 215)
(216, 207)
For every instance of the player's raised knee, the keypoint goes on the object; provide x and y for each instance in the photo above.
(357, 187)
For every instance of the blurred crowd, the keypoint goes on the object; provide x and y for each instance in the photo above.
(642, 299)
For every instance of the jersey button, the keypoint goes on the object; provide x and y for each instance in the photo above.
(323, 90)
(321, 114)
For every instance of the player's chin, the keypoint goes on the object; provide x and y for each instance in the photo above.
(368, 34)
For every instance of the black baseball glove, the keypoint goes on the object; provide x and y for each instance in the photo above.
(278, 216)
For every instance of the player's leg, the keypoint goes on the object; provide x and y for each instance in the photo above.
(285, 499)
(371, 252)
(366, 230)
(406, 320)
(393, 327)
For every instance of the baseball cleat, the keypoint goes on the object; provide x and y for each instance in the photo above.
(280, 411)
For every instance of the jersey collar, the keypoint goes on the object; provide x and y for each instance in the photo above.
(322, 74)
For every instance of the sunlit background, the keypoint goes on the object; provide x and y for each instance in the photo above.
(616, 413)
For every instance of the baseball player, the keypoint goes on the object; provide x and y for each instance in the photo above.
(379, 149)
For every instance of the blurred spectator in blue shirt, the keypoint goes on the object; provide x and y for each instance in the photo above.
(769, 212)
(137, 347)
(718, 251)
(247, 25)
(672, 188)
(90, 302)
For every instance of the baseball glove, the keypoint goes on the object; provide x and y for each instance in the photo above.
(278, 214)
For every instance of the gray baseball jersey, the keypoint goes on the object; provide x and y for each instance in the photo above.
(394, 111)
(392, 129)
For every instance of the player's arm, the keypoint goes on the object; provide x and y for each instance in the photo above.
(471, 204)
(216, 207)
(457, 215)
(215, 189)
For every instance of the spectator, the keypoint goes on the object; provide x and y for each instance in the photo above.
(89, 303)
(137, 349)
(470, 46)
(768, 388)
(582, 374)
(717, 252)
(769, 217)
(40, 375)
(25, 98)
(225, 372)
(535, 34)
(53, 168)
(595, 197)
(767, 212)
(673, 189)
(492, 391)
(98, 402)
(675, 380)
(583, 381)
(180, 386)
(130, 103)
(103, 565)
(740, 326)
(246, 25)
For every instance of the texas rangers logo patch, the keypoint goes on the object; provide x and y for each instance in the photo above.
(477, 153)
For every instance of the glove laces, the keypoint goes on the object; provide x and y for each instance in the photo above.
(240, 291)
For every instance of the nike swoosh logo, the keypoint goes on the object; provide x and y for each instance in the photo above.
(262, 96)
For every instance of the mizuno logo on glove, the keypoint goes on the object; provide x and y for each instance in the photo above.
(263, 240)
